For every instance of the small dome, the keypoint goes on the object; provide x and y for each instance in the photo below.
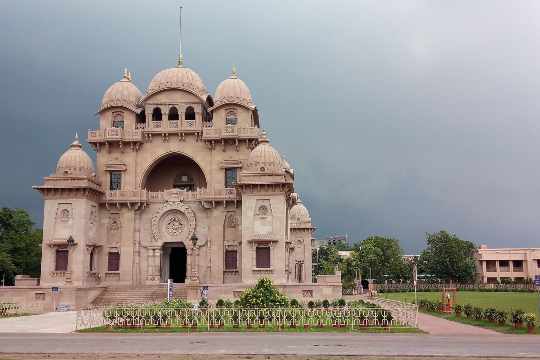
(299, 213)
(233, 91)
(121, 94)
(75, 161)
(264, 158)
(177, 78)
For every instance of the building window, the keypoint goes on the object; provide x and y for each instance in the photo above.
(491, 266)
(262, 257)
(92, 265)
(504, 265)
(190, 113)
(118, 121)
(231, 118)
(61, 261)
(231, 257)
(517, 265)
(230, 177)
(156, 114)
(538, 263)
(116, 180)
(113, 261)
(173, 113)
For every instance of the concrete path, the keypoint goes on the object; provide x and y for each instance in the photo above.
(53, 322)
(437, 326)
(272, 344)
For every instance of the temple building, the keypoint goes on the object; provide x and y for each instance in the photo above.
(186, 186)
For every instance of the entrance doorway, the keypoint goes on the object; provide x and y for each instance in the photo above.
(174, 262)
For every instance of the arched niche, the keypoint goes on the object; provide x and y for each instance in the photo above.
(174, 170)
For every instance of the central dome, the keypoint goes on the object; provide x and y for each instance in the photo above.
(177, 78)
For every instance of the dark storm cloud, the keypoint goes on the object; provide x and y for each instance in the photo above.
(399, 117)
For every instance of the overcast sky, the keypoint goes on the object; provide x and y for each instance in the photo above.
(399, 117)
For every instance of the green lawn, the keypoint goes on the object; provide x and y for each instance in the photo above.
(528, 302)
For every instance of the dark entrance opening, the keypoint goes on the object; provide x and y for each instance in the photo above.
(177, 264)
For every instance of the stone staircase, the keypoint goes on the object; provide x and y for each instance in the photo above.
(140, 295)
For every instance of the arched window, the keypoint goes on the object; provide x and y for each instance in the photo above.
(156, 114)
(173, 113)
(118, 120)
(190, 113)
(141, 117)
(231, 118)
(184, 182)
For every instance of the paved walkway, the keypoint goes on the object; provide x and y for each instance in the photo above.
(53, 322)
(270, 343)
(438, 326)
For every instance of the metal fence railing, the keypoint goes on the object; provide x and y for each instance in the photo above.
(148, 316)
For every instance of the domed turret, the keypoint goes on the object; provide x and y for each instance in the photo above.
(233, 91)
(178, 77)
(299, 215)
(264, 158)
(75, 162)
(121, 94)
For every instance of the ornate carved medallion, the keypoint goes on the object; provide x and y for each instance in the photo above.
(174, 221)
(174, 226)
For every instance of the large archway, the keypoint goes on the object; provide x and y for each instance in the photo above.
(174, 262)
(174, 171)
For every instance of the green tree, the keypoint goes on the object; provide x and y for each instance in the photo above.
(327, 260)
(448, 257)
(381, 258)
(20, 245)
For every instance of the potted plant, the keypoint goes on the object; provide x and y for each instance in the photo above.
(517, 317)
(458, 309)
(530, 320)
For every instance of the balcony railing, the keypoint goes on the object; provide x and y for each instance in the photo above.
(114, 134)
(232, 132)
(143, 196)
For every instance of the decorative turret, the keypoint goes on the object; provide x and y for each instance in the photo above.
(233, 91)
(121, 94)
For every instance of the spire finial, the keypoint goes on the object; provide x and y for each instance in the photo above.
(180, 53)
(129, 75)
(234, 73)
(76, 142)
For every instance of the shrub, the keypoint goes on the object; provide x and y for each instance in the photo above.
(220, 303)
(203, 304)
(294, 303)
(490, 314)
(530, 319)
(517, 317)
(341, 302)
(263, 295)
(502, 316)
(458, 309)
(311, 304)
(468, 310)
(325, 303)
(477, 313)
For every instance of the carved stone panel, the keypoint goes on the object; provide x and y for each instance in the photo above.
(173, 222)
(63, 222)
(262, 219)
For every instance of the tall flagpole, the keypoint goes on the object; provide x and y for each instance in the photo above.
(180, 55)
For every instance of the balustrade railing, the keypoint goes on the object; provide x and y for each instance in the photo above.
(227, 194)
(157, 316)
(114, 134)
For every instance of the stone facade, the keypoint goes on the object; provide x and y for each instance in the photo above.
(186, 187)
